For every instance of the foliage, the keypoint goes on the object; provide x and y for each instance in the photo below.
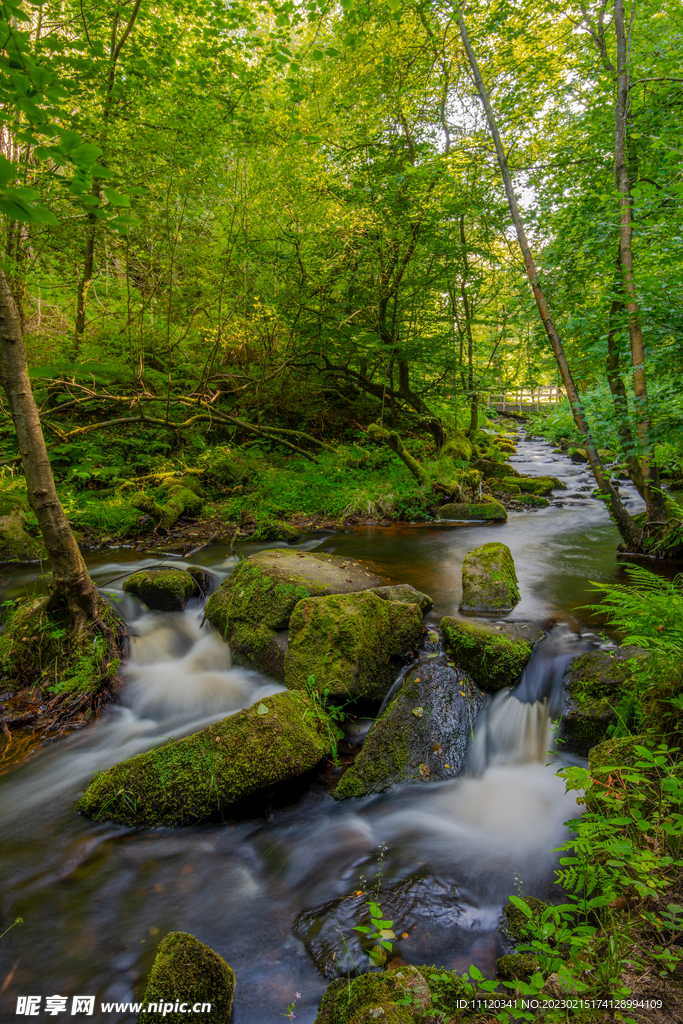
(648, 611)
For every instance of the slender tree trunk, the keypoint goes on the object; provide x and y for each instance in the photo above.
(72, 581)
(652, 492)
(618, 390)
(88, 268)
(625, 524)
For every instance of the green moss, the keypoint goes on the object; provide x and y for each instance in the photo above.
(515, 921)
(490, 657)
(187, 971)
(578, 455)
(347, 641)
(16, 544)
(517, 966)
(489, 580)
(165, 590)
(538, 485)
(593, 688)
(189, 780)
(533, 501)
(494, 470)
(38, 649)
(506, 486)
(404, 994)
(486, 510)
(405, 593)
(458, 447)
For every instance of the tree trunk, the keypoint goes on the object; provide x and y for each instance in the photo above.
(72, 581)
(618, 390)
(651, 488)
(86, 278)
(625, 524)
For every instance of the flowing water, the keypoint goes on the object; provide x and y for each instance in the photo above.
(96, 899)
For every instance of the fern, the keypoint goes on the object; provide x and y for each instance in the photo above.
(648, 611)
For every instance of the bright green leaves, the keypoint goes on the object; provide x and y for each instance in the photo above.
(115, 198)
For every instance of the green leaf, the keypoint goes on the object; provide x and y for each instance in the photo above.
(116, 198)
(522, 905)
(262, 709)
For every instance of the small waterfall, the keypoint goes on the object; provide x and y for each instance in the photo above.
(517, 726)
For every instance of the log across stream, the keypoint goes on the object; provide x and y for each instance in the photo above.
(271, 893)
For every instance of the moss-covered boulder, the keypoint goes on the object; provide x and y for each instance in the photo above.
(474, 512)
(195, 778)
(185, 973)
(492, 470)
(405, 593)
(493, 654)
(515, 925)
(164, 589)
(517, 966)
(539, 485)
(533, 501)
(593, 687)
(505, 487)
(252, 608)
(351, 644)
(422, 736)
(458, 447)
(489, 580)
(16, 543)
(403, 995)
(578, 455)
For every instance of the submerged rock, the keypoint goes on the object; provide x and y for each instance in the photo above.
(593, 687)
(164, 589)
(489, 580)
(405, 593)
(422, 736)
(190, 780)
(493, 654)
(16, 543)
(252, 608)
(399, 996)
(328, 931)
(186, 971)
(477, 512)
(351, 644)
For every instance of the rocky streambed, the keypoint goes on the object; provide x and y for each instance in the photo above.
(210, 800)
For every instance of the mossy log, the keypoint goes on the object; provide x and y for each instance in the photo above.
(186, 973)
(392, 439)
(196, 778)
(179, 498)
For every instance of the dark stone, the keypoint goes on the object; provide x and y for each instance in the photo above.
(163, 589)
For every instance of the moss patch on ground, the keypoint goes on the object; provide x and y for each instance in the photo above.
(351, 644)
(163, 589)
(422, 736)
(186, 971)
(192, 779)
(489, 580)
(493, 655)
(256, 601)
(404, 994)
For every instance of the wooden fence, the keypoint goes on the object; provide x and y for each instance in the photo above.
(524, 399)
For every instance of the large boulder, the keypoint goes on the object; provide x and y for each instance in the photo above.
(493, 654)
(190, 780)
(539, 485)
(187, 972)
(593, 687)
(164, 589)
(489, 580)
(351, 644)
(492, 470)
(422, 736)
(474, 512)
(458, 447)
(16, 543)
(252, 608)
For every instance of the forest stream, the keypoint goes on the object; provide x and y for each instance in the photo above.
(96, 899)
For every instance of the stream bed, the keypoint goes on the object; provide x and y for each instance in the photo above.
(274, 894)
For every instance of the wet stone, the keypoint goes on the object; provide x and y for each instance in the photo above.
(422, 736)
(163, 589)
(489, 580)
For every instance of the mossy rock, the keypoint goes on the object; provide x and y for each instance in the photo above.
(422, 736)
(617, 752)
(489, 580)
(538, 485)
(506, 487)
(606, 455)
(473, 512)
(352, 644)
(405, 593)
(493, 654)
(578, 455)
(425, 986)
(195, 778)
(515, 925)
(163, 589)
(16, 543)
(186, 971)
(517, 966)
(492, 470)
(175, 499)
(275, 529)
(506, 446)
(533, 501)
(252, 608)
(593, 687)
(458, 447)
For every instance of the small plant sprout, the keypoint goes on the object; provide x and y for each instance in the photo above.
(290, 1015)
(379, 932)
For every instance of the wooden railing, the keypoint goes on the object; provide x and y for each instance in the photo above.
(525, 398)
